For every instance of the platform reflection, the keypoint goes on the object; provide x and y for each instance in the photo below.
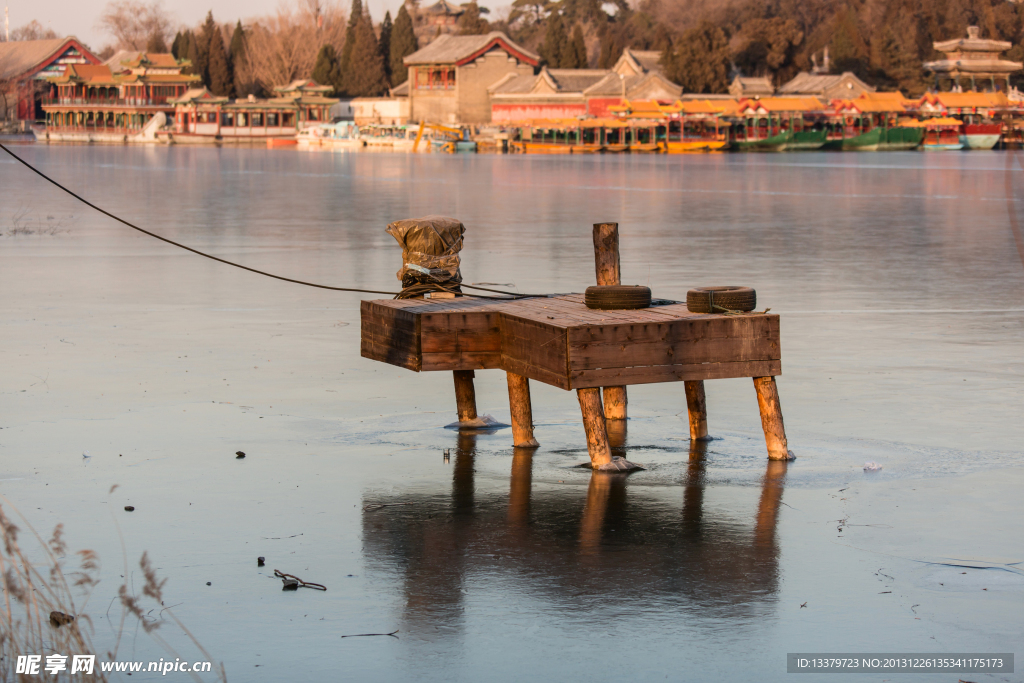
(613, 542)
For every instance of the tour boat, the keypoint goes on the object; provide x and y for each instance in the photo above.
(785, 141)
(877, 139)
(981, 135)
(941, 134)
(341, 135)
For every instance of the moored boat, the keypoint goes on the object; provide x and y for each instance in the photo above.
(940, 134)
(786, 141)
(981, 135)
(779, 124)
(880, 139)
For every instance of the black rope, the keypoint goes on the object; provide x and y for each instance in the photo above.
(238, 265)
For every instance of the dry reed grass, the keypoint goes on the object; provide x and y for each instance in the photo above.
(39, 589)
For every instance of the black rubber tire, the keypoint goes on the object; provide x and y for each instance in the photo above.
(617, 297)
(733, 298)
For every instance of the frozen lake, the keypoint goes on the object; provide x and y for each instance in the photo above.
(901, 293)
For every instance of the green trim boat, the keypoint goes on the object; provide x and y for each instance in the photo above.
(787, 141)
(879, 139)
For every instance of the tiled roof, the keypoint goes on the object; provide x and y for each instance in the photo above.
(18, 57)
(972, 43)
(966, 100)
(198, 95)
(775, 104)
(575, 80)
(88, 73)
(303, 85)
(450, 49)
(974, 65)
(443, 7)
(650, 60)
(808, 83)
(513, 84)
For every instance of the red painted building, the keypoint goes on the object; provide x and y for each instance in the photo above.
(27, 66)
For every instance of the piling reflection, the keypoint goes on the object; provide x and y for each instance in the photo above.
(555, 543)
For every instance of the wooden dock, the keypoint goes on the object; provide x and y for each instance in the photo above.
(559, 341)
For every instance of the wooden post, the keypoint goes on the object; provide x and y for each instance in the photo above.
(697, 407)
(771, 418)
(606, 267)
(465, 395)
(522, 411)
(593, 423)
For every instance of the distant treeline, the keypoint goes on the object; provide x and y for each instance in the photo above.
(706, 42)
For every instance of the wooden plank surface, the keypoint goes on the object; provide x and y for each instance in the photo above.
(650, 374)
(534, 350)
(559, 341)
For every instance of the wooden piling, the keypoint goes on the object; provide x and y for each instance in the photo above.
(593, 423)
(606, 253)
(697, 407)
(522, 411)
(771, 418)
(606, 267)
(465, 395)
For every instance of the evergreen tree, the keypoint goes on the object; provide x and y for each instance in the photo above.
(847, 48)
(156, 43)
(384, 43)
(365, 77)
(176, 46)
(700, 61)
(222, 77)
(611, 48)
(403, 44)
(555, 39)
(193, 55)
(238, 60)
(471, 23)
(345, 63)
(326, 70)
(574, 52)
(202, 42)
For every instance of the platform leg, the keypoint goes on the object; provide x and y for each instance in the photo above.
(771, 418)
(465, 395)
(593, 423)
(615, 403)
(522, 411)
(697, 407)
(606, 267)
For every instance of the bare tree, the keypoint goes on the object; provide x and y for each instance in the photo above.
(135, 23)
(282, 47)
(33, 30)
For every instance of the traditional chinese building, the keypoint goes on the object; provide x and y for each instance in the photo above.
(201, 116)
(826, 87)
(972, 61)
(751, 87)
(104, 102)
(25, 69)
(449, 78)
(438, 19)
(569, 93)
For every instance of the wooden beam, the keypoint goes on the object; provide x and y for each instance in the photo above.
(465, 395)
(771, 418)
(593, 423)
(606, 266)
(522, 411)
(697, 407)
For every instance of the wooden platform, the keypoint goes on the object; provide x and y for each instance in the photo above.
(559, 341)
